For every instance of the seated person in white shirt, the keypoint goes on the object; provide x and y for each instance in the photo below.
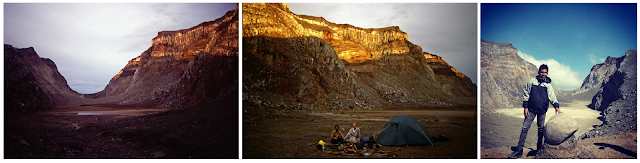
(353, 134)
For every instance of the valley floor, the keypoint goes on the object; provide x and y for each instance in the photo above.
(277, 133)
(500, 129)
(124, 131)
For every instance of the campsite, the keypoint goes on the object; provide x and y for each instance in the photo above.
(284, 133)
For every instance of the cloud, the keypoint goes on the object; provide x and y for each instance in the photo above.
(563, 77)
(594, 60)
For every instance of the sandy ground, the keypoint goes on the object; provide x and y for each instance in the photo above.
(500, 130)
(586, 117)
(273, 133)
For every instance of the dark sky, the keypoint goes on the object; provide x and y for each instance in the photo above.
(447, 30)
(90, 43)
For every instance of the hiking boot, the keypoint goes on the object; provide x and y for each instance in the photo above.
(515, 154)
(540, 136)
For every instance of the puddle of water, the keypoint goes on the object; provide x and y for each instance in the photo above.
(87, 113)
(83, 113)
(585, 117)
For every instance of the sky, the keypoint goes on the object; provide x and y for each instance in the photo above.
(446, 30)
(569, 38)
(90, 43)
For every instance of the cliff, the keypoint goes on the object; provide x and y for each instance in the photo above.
(180, 66)
(310, 61)
(452, 81)
(617, 95)
(504, 75)
(32, 83)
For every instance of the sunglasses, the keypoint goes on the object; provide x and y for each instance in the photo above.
(544, 72)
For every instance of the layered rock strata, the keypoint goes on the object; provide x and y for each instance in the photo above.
(309, 60)
(504, 75)
(181, 68)
(451, 80)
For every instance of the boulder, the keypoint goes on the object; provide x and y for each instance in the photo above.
(559, 128)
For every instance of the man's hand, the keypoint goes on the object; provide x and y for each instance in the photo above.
(526, 112)
(558, 111)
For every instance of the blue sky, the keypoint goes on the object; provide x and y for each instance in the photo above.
(90, 43)
(570, 38)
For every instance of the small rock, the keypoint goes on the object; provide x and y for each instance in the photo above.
(24, 142)
(158, 154)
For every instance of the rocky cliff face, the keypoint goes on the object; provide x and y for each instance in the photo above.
(180, 67)
(452, 81)
(504, 75)
(32, 83)
(617, 95)
(311, 61)
(598, 75)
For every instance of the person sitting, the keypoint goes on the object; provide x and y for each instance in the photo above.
(353, 134)
(336, 136)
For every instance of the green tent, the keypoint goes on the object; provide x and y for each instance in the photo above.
(404, 130)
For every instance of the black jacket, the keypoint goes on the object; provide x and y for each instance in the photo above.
(538, 93)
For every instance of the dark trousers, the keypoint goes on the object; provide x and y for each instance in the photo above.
(365, 140)
(525, 129)
(336, 141)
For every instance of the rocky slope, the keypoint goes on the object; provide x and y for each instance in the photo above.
(292, 60)
(452, 81)
(617, 95)
(32, 83)
(504, 74)
(180, 66)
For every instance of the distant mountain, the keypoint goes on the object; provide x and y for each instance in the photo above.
(291, 60)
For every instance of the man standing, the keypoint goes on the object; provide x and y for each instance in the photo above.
(353, 134)
(538, 93)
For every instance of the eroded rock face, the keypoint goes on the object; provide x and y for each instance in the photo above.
(451, 80)
(559, 128)
(181, 68)
(504, 75)
(32, 83)
(377, 66)
(617, 96)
